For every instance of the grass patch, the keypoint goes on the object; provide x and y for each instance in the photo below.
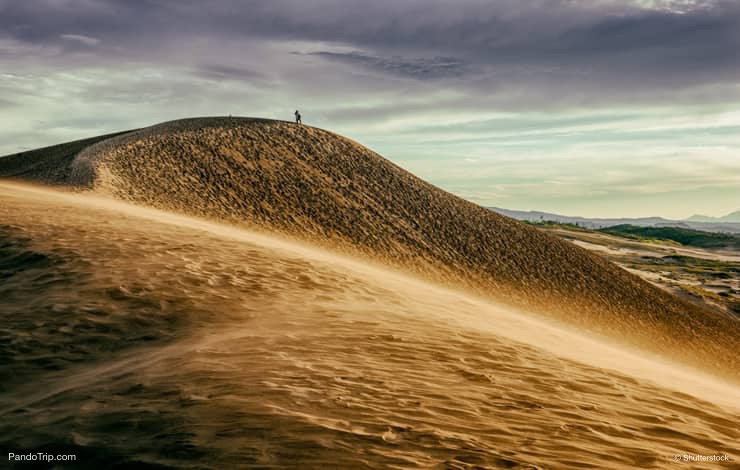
(683, 236)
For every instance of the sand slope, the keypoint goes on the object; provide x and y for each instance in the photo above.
(135, 339)
(51, 165)
(316, 185)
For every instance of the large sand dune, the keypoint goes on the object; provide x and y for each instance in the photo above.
(136, 338)
(321, 187)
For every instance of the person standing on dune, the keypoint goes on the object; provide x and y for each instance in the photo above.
(298, 117)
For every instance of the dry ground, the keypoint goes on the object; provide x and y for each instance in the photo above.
(709, 278)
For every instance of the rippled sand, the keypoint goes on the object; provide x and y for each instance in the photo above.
(330, 191)
(134, 337)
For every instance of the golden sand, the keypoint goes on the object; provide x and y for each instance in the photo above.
(323, 188)
(281, 297)
(135, 336)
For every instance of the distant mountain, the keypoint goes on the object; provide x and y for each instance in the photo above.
(727, 224)
(731, 217)
(701, 218)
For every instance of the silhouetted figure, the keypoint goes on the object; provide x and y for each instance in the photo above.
(298, 117)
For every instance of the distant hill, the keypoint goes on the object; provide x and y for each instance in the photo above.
(731, 217)
(700, 218)
(683, 236)
(717, 226)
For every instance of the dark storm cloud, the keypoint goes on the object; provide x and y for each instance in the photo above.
(417, 68)
(601, 49)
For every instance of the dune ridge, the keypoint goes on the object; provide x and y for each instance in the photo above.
(139, 338)
(315, 185)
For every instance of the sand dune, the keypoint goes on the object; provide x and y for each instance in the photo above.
(317, 186)
(143, 339)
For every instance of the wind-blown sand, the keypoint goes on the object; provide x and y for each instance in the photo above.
(433, 333)
(135, 337)
(324, 188)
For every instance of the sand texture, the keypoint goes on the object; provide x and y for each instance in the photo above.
(323, 188)
(136, 338)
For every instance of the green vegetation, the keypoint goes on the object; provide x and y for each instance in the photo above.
(681, 235)
(554, 224)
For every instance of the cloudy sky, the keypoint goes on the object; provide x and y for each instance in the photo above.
(582, 107)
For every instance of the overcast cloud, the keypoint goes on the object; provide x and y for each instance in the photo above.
(507, 89)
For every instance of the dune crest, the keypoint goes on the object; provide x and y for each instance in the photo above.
(311, 184)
